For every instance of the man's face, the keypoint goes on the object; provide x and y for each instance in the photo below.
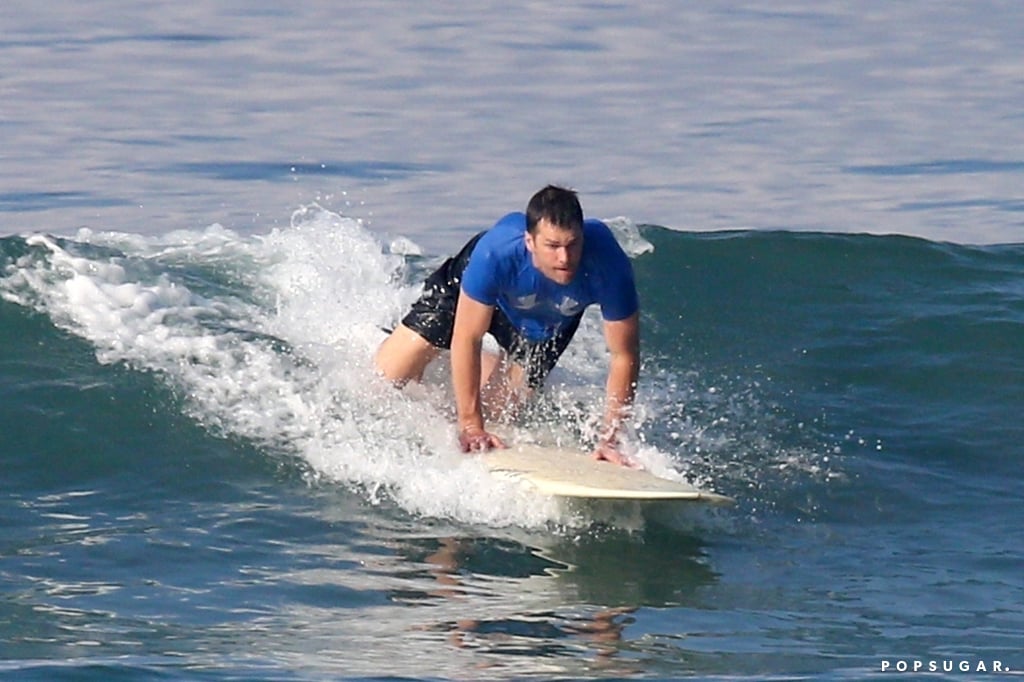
(556, 251)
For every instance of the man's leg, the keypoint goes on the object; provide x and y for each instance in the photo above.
(427, 327)
(522, 367)
(504, 388)
(404, 355)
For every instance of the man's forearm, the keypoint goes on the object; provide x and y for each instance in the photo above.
(465, 356)
(623, 370)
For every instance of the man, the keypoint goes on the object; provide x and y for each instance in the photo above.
(526, 281)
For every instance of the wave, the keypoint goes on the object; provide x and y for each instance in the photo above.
(777, 365)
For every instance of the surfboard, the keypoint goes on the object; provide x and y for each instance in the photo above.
(564, 472)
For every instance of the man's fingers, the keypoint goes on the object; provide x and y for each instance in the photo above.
(479, 441)
(611, 454)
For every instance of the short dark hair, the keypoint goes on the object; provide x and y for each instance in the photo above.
(557, 205)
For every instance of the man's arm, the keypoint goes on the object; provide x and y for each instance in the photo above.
(623, 339)
(472, 320)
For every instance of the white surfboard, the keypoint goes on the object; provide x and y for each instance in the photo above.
(569, 473)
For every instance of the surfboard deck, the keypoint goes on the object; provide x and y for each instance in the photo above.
(565, 472)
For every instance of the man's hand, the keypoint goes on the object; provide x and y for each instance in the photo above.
(475, 439)
(608, 450)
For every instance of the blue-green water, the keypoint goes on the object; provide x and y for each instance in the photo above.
(207, 209)
(203, 480)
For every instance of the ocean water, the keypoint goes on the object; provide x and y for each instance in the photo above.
(207, 212)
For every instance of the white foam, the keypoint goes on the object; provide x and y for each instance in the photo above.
(271, 339)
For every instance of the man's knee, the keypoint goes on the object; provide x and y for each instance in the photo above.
(505, 391)
(403, 356)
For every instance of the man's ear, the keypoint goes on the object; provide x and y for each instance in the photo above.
(528, 239)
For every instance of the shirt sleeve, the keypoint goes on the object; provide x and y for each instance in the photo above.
(616, 295)
(482, 276)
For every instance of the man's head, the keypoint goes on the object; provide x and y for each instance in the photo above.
(554, 232)
(557, 205)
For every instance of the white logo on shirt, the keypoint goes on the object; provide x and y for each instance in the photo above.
(526, 302)
(569, 307)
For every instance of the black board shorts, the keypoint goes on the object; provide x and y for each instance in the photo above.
(432, 316)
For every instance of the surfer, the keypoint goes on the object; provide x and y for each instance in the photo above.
(526, 281)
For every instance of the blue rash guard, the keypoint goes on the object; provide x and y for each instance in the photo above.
(500, 273)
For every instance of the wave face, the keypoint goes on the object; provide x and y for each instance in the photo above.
(173, 406)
